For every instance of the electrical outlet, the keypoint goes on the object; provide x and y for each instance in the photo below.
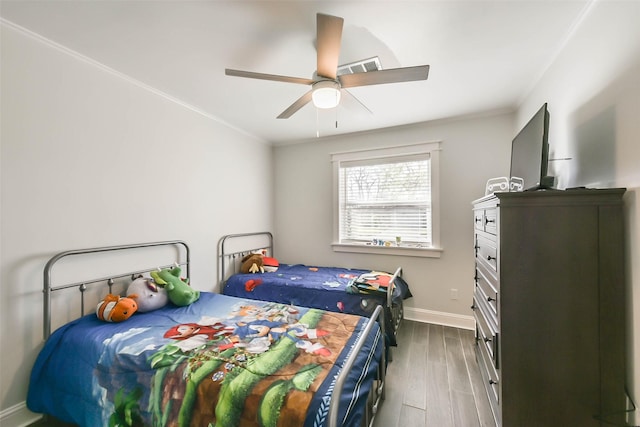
(454, 293)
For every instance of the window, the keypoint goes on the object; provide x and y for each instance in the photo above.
(386, 199)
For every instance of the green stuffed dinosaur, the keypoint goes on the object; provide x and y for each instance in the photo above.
(178, 290)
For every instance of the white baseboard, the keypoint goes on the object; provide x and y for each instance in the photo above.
(18, 416)
(440, 318)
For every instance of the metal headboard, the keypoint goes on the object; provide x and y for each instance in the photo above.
(231, 259)
(48, 288)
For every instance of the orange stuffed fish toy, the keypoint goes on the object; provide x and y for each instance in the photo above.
(114, 308)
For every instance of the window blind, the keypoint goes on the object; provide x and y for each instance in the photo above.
(385, 198)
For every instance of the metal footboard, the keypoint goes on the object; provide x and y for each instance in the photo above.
(376, 395)
(396, 310)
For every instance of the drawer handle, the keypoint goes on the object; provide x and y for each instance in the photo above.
(490, 299)
(489, 257)
(492, 382)
(473, 307)
(487, 339)
(487, 220)
(478, 219)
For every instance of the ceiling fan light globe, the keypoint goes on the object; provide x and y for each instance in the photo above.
(326, 94)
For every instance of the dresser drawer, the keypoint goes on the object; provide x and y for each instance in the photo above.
(487, 252)
(490, 220)
(489, 275)
(478, 219)
(489, 373)
(486, 330)
(486, 220)
(488, 299)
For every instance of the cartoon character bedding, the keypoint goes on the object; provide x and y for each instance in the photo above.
(354, 291)
(221, 361)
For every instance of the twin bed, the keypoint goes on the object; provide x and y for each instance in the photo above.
(220, 361)
(347, 290)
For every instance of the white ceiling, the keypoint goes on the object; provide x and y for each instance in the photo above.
(484, 55)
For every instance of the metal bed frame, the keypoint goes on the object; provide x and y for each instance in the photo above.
(183, 258)
(229, 263)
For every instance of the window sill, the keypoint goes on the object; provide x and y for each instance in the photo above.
(388, 250)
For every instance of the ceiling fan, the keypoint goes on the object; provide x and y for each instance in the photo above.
(327, 84)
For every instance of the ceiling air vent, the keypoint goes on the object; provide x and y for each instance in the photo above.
(364, 66)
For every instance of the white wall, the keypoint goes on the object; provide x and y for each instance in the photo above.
(90, 158)
(593, 91)
(473, 150)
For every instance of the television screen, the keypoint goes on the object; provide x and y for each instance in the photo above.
(530, 154)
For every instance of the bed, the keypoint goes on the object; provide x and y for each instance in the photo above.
(348, 290)
(220, 361)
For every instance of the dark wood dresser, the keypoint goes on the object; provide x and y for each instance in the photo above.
(549, 306)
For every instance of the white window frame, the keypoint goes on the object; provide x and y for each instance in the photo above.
(430, 148)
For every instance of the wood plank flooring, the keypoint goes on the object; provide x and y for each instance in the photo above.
(434, 380)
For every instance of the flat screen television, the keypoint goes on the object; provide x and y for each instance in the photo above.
(530, 155)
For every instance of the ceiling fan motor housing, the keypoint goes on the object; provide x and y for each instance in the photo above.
(326, 94)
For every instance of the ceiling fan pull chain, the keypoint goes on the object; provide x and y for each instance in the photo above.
(317, 125)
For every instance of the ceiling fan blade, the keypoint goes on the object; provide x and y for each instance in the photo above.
(394, 75)
(329, 36)
(300, 102)
(262, 76)
(357, 100)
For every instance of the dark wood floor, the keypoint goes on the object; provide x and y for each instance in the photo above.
(433, 381)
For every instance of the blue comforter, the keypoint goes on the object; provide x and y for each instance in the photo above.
(326, 288)
(221, 361)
